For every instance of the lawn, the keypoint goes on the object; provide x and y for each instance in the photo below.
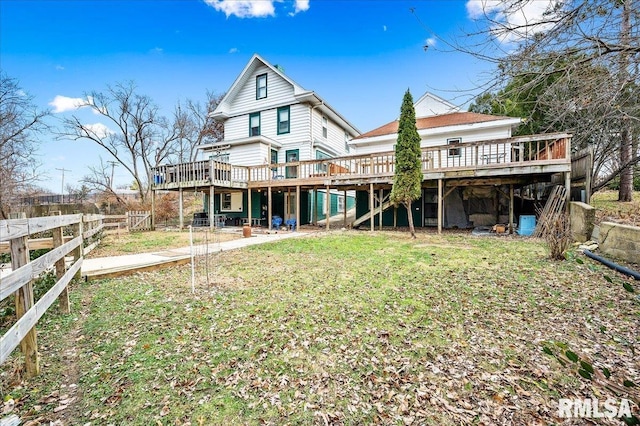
(609, 209)
(117, 243)
(341, 328)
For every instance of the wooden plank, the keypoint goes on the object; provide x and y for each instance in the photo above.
(33, 244)
(24, 302)
(91, 232)
(16, 228)
(63, 299)
(16, 279)
(12, 338)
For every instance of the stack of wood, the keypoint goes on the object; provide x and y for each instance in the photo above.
(554, 207)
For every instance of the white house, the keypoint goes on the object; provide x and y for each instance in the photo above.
(441, 123)
(269, 118)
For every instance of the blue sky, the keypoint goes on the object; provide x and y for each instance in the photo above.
(360, 56)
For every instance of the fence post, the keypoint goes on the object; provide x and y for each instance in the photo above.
(24, 302)
(58, 240)
(78, 251)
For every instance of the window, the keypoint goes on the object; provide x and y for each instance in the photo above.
(274, 159)
(324, 127)
(261, 86)
(454, 152)
(223, 158)
(340, 203)
(283, 120)
(231, 202)
(254, 124)
(292, 156)
(321, 168)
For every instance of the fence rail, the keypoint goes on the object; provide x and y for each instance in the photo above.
(16, 232)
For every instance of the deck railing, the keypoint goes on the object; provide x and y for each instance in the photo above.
(204, 172)
(526, 150)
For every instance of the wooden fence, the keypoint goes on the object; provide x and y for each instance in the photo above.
(20, 281)
(139, 221)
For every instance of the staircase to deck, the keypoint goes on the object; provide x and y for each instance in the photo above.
(368, 214)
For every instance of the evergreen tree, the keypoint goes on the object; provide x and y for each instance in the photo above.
(408, 176)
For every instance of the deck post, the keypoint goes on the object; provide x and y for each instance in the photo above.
(439, 206)
(180, 207)
(380, 200)
(298, 207)
(269, 209)
(328, 215)
(510, 208)
(212, 205)
(315, 206)
(371, 206)
(421, 208)
(567, 184)
(344, 212)
(249, 206)
(24, 302)
(153, 210)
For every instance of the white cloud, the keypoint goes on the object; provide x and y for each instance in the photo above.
(157, 50)
(63, 103)
(98, 129)
(244, 8)
(59, 67)
(514, 23)
(255, 8)
(302, 6)
(384, 28)
(233, 50)
(431, 41)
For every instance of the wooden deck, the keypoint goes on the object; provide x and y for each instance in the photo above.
(513, 157)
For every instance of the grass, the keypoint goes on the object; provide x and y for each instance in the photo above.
(119, 243)
(610, 209)
(346, 328)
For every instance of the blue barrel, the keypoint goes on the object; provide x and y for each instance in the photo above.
(527, 224)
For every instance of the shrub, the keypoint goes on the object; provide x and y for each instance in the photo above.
(558, 236)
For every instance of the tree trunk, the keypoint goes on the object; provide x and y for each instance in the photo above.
(412, 230)
(625, 193)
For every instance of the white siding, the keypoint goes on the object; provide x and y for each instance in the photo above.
(247, 155)
(279, 92)
(428, 106)
(335, 134)
(471, 135)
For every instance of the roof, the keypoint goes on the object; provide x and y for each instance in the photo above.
(444, 120)
(222, 110)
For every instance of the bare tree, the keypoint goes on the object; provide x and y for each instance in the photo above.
(136, 136)
(20, 123)
(581, 60)
(194, 126)
(100, 179)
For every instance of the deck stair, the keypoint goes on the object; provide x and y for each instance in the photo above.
(368, 214)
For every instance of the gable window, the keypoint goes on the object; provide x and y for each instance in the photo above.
(261, 86)
(324, 127)
(254, 124)
(283, 120)
(454, 152)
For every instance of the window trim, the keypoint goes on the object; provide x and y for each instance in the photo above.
(321, 155)
(274, 153)
(251, 116)
(454, 152)
(258, 87)
(325, 127)
(291, 171)
(288, 109)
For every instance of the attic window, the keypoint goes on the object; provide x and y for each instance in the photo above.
(261, 86)
(454, 152)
